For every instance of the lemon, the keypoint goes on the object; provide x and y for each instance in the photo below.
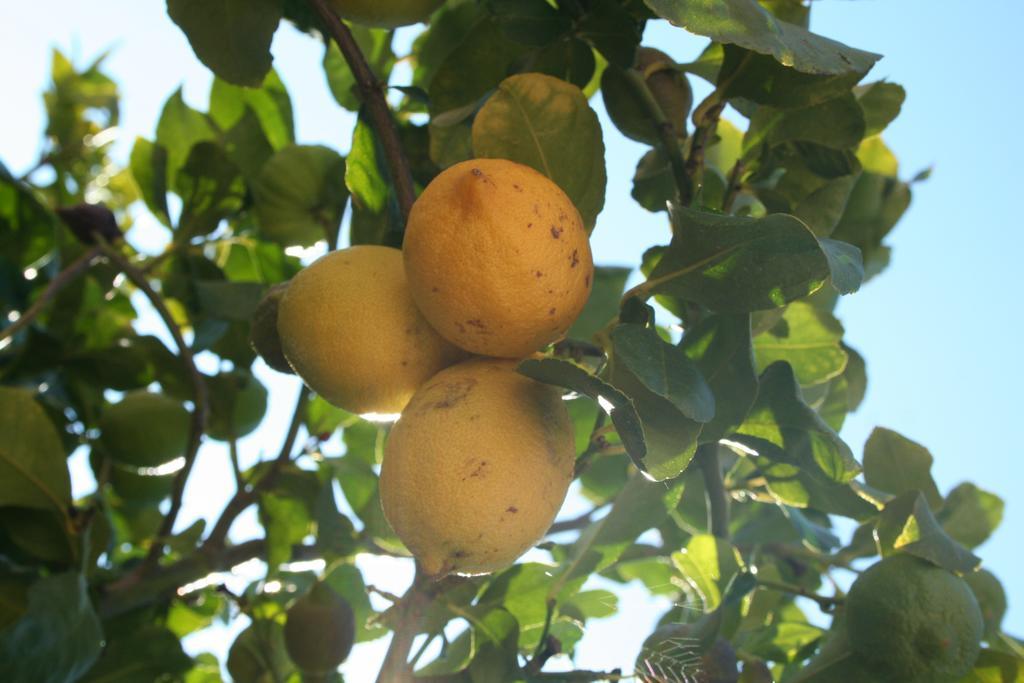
(912, 622)
(385, 13)
(350, 329)
(263, 337)
(497, 257)
(320, 630)
(477, 467)
(237, 404)
(144, 429)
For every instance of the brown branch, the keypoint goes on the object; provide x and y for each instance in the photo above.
(410, 611)
(735, 185)
(244, 497)
(826, 603)
(575, 523)
(718, 499)
(706, 121)
(199, 401)
(62, 280)
(371, 92)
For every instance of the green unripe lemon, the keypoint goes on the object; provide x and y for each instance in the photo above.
(263, 336)
(237, 404)
(385, 13)
(320, 630)
(674, 653)
(912, 622)
(258, 654)
(991, 598)
(144, 430)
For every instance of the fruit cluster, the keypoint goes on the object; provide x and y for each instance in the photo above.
(495, 265)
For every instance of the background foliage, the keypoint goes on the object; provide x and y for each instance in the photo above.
(236, 191)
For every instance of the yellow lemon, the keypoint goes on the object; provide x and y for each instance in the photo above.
(497, 257)
(350, 329)
(477, 467)
(385, 13)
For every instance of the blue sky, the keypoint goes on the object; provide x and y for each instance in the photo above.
(938, 329)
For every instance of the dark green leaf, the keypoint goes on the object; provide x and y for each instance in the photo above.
(895, 464)
(664, 369)
(363, 175)
(881, 103)
(874, 206)
(149, 653)
(822, 208)
(763, 80)
(612, 30)
(529, 23)
(618, 406)
(347, 581)
(856, 378)
(149, 164)
(479, 60)
(226, 300)
(970, 514)
(231, 37)
(721, 347)
(548, 125)
(301, 195)
(654, 186)
(738, 264)
(837, 123)
(747, 24)
(59, 636)
(33, 469)
(211, 190)
(907, 525)
(603, 304)
(179, 129)
(808, 339)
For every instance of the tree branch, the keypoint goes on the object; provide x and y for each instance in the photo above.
(718, 498)
(580, 676)
(410, 611)
(199, 400)
(62, 280)
(372, 94)
(826, 603)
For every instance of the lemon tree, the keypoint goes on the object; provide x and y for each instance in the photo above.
(433, 264)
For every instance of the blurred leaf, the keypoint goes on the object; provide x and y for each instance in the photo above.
(269, 102)
(970, 514)
(363, 175)
(375, 44)
(603, 304)
(782, 642)
(612, 30)
(856, 378)
(259, 654)
(211, 190)
(33, 469)
(347, 581)
(179, 129)
(231, 37)
(897, 465)
(529, 23)
(654, 186)
(664, 369)
(59, 636)
(145, 654)
(301, 195)
(738, 264)
(335, 535)
(618, 406)
(991, 597)
(226, 300)
(496, 656)
(286, 512)
(721, 347)
(149, 165)
(837, 123)
(548, 125)
(907, 525)
(881, 103)
(747, 24)
(874, 207)
(996, 667)
(808, 339)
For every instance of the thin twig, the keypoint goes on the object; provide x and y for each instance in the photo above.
(826, 603)
(199, 401)
(735, 185)
(371, 91)
(580, 676)
(246, 496)
(706, 123)
(576, 523)
(545, 650)
(62, 280)
(718, 499)
(409, 612)
(594, 445)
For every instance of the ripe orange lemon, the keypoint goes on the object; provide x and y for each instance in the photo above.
(350, 329)
(385, 13)
(497, 257)
(477, 467)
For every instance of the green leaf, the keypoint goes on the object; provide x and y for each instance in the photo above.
(837, 123)
(530, 23)
(59, 636)
(270, 103)
(845, 265)
(286, 512)
(547, 124)
(738, 264)
(612, 30)
(148, 653)
(179, 129)
(363, 175)
(654, 186)
(875, 205)
(455, 657)
(33, 468)
(881, 103)
(749, 25)
(907, 525)
(603, 304)
(970, 514)
(593, 604)
(618, 406)
(664, 369)
(375, 44)
(808, 339)
(786, 641)
(231, 37)
(211, 189)
(641, 505)
(763, 80)
(149, 163)
(822, 208)
(996, 667)
(708, 564)
(895, 464)
(227, 300)
(301, 195)
(497, 639)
